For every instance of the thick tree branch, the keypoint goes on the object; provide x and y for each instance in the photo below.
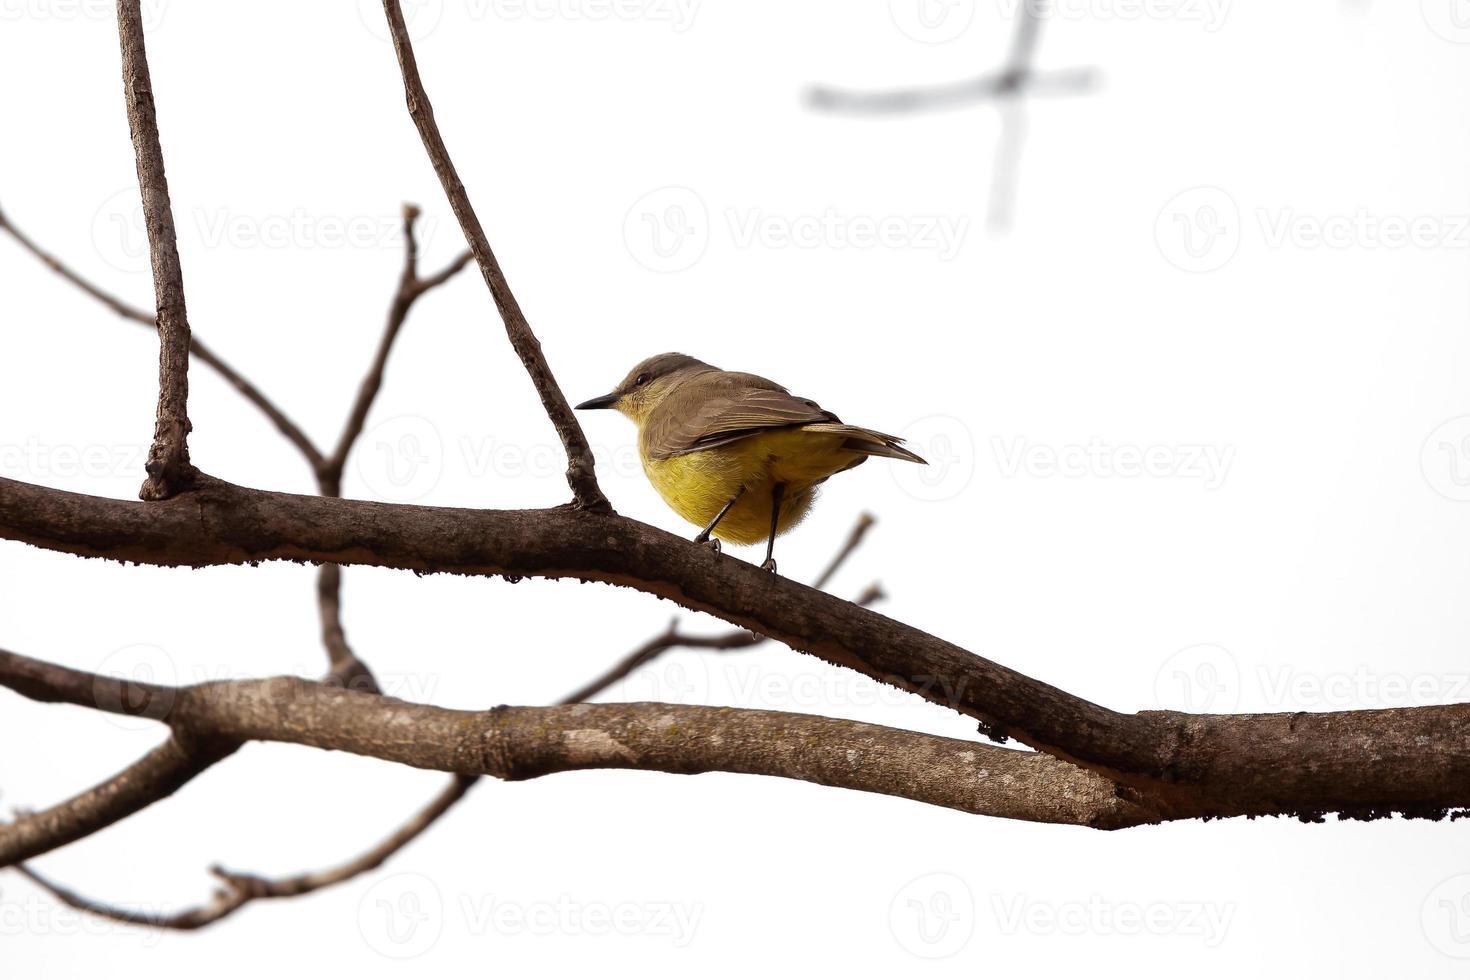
(581, 473)
(514, 743)
(672, 638)
(168, 465)
(152, 778)
(219, 523)
(1409, 759)
(43, 682)
(145, 778)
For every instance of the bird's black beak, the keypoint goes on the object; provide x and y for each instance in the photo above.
(601, 401)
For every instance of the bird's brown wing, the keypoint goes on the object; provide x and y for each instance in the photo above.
(718, 409)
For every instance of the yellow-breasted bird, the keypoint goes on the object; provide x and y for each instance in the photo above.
(734, 453)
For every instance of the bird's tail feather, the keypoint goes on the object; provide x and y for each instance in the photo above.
(869, 442)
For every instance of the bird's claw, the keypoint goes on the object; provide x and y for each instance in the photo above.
(713, 544)
(769, 565)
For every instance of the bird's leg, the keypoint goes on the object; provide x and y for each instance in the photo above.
(777, 492)
(703, 537)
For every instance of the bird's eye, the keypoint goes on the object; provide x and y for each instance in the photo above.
(642, 379)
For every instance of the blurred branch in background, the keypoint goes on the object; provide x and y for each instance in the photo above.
(1007, 87)
(1093, 766)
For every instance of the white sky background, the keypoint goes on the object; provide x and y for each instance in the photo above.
(1320, 561)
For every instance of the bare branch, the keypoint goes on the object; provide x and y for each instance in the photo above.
(145, 778)
(581, 473)
(345, 666)
(996, 85)
(42, 682)
(410, 288)
(238, 889)
(156, 776)
(248, 391)
(1016, 76)
(514, 743)
(168, 465)
(220, 523)
(672, 639)
(1409, 759)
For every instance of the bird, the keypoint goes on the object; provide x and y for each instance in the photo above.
(734, 453)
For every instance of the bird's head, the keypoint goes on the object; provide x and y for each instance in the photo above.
(648, 384)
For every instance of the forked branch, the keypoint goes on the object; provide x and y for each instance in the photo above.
(581, 472)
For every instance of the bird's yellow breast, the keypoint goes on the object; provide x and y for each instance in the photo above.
(696, 485)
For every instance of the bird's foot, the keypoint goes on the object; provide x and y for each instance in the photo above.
(769, 565)
(713, 544)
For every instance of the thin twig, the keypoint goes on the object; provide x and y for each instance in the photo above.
(410, 288)
(169, 470)
(147, 780)
(581, 473)
(345, 666)
(238, 889)
(671, 638)
(127, 311)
